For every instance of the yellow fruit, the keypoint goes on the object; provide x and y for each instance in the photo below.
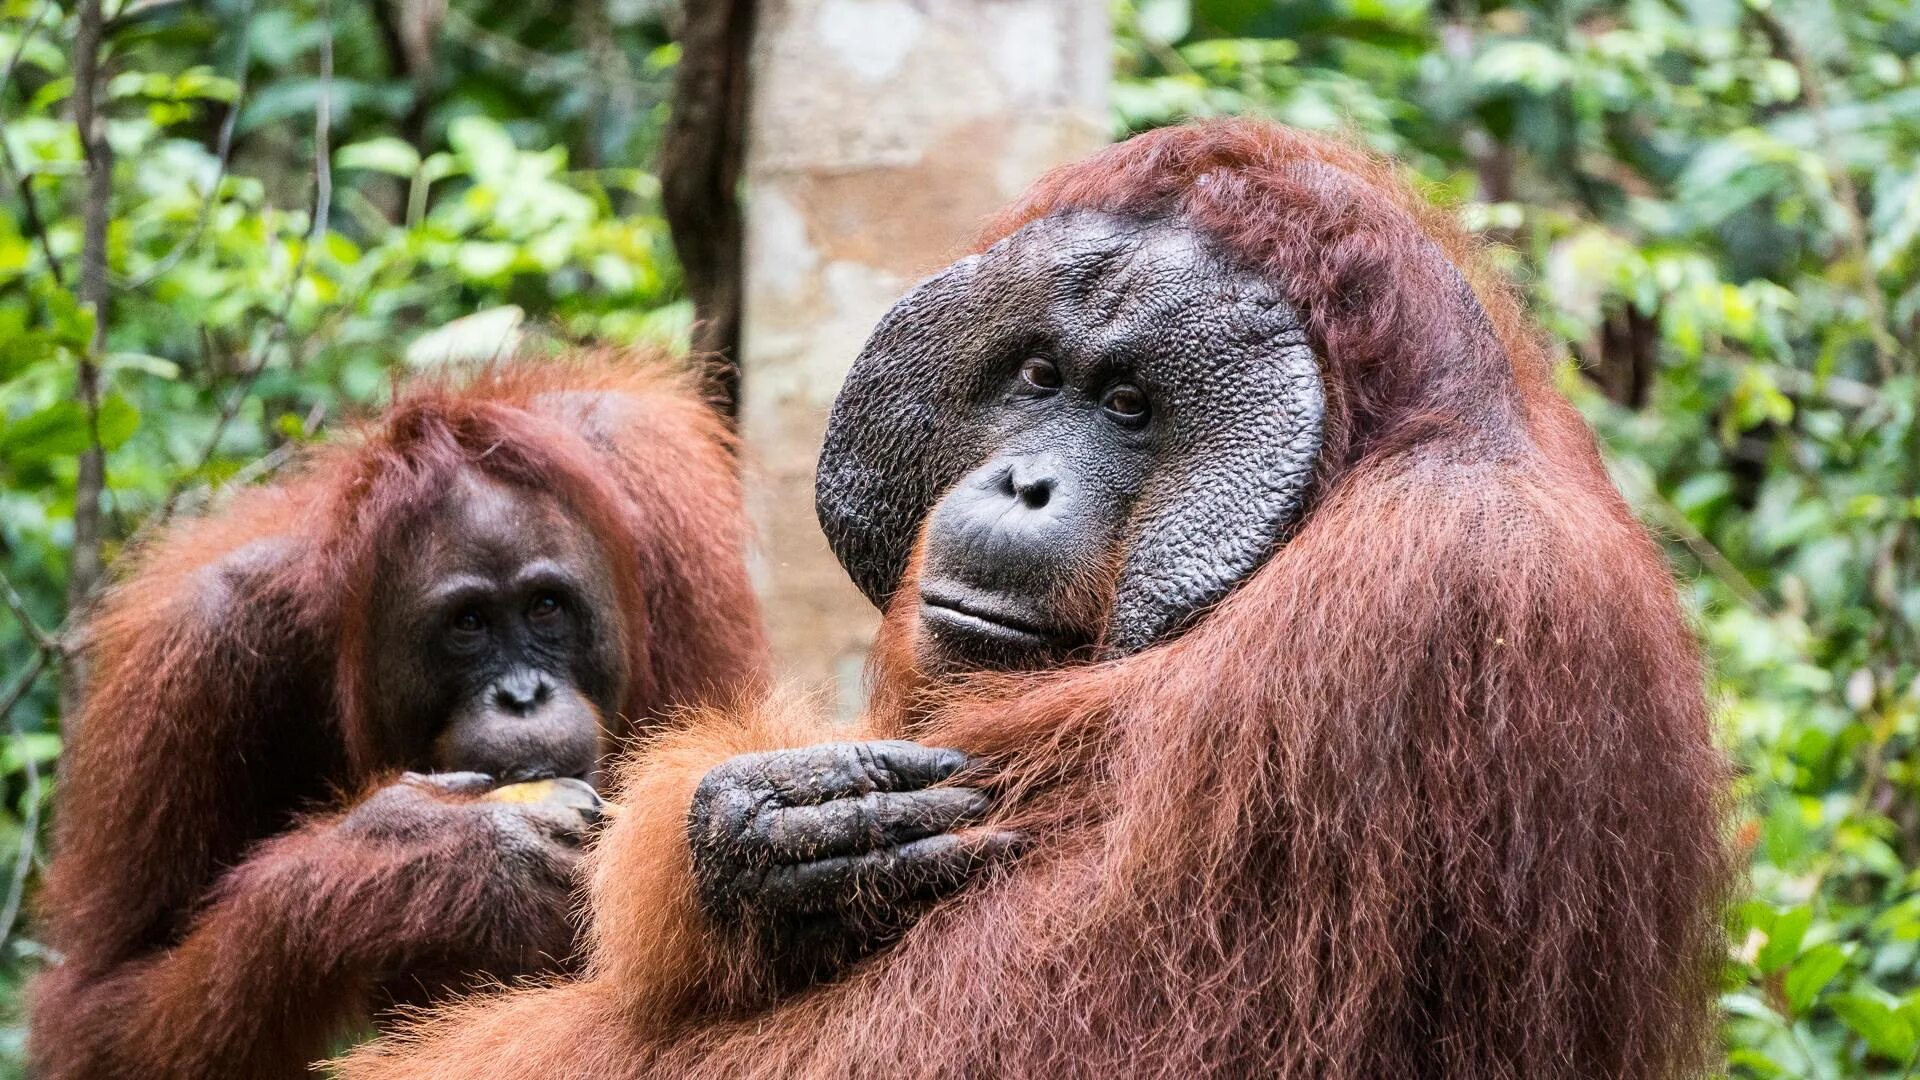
(538, 791)
(532, 791)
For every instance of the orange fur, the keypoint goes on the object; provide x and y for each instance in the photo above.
(1432, 794)
(208, 920)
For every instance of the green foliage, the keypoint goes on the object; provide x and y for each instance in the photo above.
(244, 311)
(1714, 201)
(1735, 183)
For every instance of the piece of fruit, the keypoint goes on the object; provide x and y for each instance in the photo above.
(553, 789)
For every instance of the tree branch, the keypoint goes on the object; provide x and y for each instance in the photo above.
(30, 826)
(42, 640)
(1712, 559)
(87, 561)
(701, 156)
(527, 63)
(20, 50)
(277, 327)
(22, 683)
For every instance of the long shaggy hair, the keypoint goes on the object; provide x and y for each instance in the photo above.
(229, 701)
(1432, 794)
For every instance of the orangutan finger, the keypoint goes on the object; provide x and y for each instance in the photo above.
(870, 822)
(448, 783)
(818, 774)
(919, 868)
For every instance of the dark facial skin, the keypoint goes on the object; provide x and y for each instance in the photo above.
(496, 650)
(1015, 547)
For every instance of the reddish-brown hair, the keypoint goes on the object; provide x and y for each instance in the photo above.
(1432, 794)
(656, 502)
(229, 699)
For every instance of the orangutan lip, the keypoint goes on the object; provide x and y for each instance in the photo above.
(970, 615)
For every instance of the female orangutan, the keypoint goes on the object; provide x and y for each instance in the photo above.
(1320, 710)
(491, 583)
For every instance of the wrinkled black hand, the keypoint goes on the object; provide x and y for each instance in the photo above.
(838, 841)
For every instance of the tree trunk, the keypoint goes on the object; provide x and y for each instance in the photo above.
(700, 160)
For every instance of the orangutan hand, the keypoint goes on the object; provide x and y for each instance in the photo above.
(852, 832)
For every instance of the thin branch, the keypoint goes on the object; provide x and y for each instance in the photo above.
(223, 155)
(1165, 55)
(1716, 562)
(608, 64)
(30, 822)
(30, 205)
(136, 10)
(23, 682)
(508, 54)
(317, 230)
(36, 225)
(87, 563)
(322, 134)
(265, 465)
(1813, 1063)
(42, 640)
(1836, 389)
(20, 50)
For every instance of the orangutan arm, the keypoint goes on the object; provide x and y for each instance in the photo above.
(682, 931)
(287, 953)
(658, 959)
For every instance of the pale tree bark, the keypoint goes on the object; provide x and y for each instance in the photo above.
(880, 138)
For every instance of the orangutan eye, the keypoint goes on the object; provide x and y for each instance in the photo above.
(1126, 404)
(1040, 374)
(467, 624)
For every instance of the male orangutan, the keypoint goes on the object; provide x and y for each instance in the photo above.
(492, 583)
(1316, 708)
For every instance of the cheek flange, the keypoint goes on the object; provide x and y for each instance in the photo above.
(1212, 516)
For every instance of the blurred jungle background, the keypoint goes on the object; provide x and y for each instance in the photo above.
(226, 224)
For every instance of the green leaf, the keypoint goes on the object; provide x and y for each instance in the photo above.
(153, 366)
(1811, 973)
(1164, 21)
(61, 430)
(203, 82)
(483, 335)
(1876, 1021)
(439, 167)
(484, 259)
(56, 430)
(382, 154)
(483, 144)
(1532, 64)
(1784, 935)
(39, 747)
(1788, 839)
(118, 421)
